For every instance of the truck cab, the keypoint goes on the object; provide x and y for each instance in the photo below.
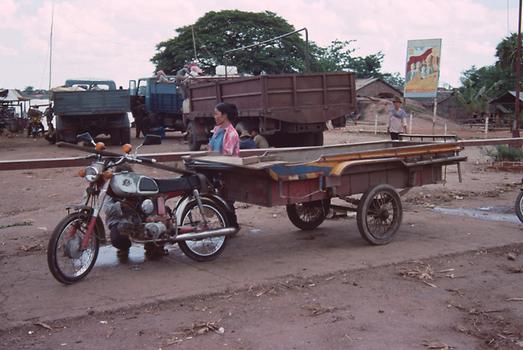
(162, 100)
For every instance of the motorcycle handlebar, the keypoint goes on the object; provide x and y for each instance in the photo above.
(140, 160)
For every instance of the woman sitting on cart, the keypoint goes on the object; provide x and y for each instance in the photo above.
(225, 139)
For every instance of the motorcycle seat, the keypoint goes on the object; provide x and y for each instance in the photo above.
(184, 183)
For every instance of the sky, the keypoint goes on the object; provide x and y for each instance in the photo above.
(116, 39)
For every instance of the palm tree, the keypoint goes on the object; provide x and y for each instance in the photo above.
(506, 51)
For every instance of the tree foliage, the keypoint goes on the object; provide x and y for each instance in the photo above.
(217, 32)
(506, 52)
(394, 79)
(479, 85)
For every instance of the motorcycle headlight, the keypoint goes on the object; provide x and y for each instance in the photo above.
(147, 207)
(93, 172)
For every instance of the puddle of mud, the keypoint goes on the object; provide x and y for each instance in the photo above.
(489, 213)
(108, 257)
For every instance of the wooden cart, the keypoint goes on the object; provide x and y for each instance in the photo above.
(369, 177)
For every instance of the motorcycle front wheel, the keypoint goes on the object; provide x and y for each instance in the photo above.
(67, 261)
(206, 249)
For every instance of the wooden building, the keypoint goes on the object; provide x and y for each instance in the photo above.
(376, 87)
(448, 106)
(502, 108)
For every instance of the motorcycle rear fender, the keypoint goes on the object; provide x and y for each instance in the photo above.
(89, 211)
(182, 203)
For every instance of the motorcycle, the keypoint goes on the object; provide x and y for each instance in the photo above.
(200, 223)
(35, 127)
(519, 205)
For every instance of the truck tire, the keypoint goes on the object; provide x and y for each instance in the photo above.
(309, 139)
(116, 138)
(318, 138)
(125, 135)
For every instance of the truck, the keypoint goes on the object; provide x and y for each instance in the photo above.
(94, 106)
(290, 110)
(163, 100)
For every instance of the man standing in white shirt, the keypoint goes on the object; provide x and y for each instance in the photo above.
(397, 120)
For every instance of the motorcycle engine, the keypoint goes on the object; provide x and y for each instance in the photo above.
(155, 229)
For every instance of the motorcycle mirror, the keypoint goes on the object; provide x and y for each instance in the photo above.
(152, 140)
(86, 137)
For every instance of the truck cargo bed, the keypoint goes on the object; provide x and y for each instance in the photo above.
(292, 98)
(91, 102)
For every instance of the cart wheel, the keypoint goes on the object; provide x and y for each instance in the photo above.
(379, 214)
(309, 215)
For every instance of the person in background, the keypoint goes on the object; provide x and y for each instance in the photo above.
(49, 116)
(259, 140)
(225, 139)
(246, 141)
(161, 77)
(397, 120)
(140, 114)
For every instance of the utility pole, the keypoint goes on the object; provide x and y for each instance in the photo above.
(515, 130)
(51, 49)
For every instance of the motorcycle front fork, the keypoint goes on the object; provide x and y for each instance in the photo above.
(96, 211)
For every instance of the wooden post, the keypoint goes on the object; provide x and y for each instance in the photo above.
(410, 123)
(434, 115)
(486, 126)
(445, 129)
(517, 63)
(376, 124)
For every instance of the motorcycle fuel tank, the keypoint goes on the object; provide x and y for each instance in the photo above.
(128, 184)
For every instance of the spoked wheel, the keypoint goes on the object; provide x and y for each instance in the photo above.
(206, 249)
(379, 214)
(307, 216)
(67, 261)
(519, 206)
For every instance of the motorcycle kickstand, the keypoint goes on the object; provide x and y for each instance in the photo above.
(196, 194)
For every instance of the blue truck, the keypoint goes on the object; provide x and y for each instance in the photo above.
(94, 106)
(161, 103)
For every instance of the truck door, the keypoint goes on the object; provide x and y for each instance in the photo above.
(132, 87)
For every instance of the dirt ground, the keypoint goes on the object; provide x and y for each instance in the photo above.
(452, 278)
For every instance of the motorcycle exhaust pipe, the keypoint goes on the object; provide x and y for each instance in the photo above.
(227, 231)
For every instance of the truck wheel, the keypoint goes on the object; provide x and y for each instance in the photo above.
(125, 135)
(318, 138)
(194, 144)
(116, 138)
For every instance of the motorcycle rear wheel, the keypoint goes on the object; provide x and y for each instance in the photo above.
(519, 206)
(206, 249)
(66, 261)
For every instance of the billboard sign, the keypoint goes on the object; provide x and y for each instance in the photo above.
(422, 70)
